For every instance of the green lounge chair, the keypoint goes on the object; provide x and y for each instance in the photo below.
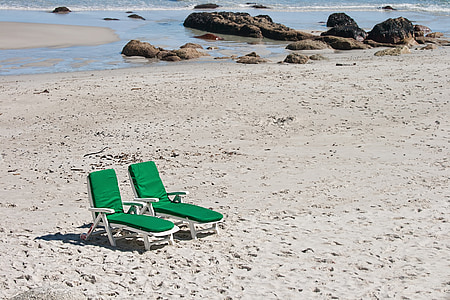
(107, 210)
(148, 188)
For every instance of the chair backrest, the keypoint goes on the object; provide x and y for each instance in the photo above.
(104, 190)
(146, 181)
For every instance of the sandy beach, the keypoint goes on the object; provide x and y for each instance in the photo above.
(18, 35)
(333, 178)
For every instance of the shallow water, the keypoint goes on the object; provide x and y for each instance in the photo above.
(164, 28)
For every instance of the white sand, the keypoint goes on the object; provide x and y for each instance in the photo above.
(333, 179)
(32, 35)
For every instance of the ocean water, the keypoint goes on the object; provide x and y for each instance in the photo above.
(164, 28)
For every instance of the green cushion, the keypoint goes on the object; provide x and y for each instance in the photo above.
(146, 181)
(148, 184)
(186, 210)
(105, 190)
(141, 222)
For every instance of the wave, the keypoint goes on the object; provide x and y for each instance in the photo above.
(437, 7)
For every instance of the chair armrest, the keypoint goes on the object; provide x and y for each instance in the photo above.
(102, 210)
(177, 198)
(144, 200)
(141, 205)
(181, 193)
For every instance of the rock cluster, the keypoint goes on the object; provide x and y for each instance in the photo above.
(242, 24)
(251, 58)
(345, 34)
(144, 49)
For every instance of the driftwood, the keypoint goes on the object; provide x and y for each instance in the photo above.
(93, 153)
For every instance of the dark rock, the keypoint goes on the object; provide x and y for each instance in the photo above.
(110, 19)
(347, 31)
(135, 16)
(295, 58)
(340, 19)
(341, 43)
(393, 31)
(307, 45)
(242, 24)
(388, 7)
(61, 10)
(206, 6)
(209, 36)
(259, 6)
(252, 54)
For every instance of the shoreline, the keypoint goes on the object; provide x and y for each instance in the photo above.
(333, 179)
(161, 28)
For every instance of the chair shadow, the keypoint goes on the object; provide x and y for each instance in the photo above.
(185, 234)
(70, 238)
(125, 245)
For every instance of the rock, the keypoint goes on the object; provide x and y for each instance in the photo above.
(340, 19)
(167, 55)
(138, 48)
(209, 36)
(341, 43)
(251, 58)
(242, 24)
(188, 53)
(61, 10)
(347, 31)
(376, 44)
(135, 16)
(435, 35)
(110, 19)
(307, 45)
(394, 31)
(429, 47)
(421, 30)
(191, 45)
(317, 57)
(259, 6)
(394, 51)
(206, 6)
(388, 7)
(295, 58)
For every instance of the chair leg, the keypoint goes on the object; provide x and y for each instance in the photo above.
(216, 227)
(108, 230)
(193, 232)
(171, 242)
(146, 242)
(85, 236)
